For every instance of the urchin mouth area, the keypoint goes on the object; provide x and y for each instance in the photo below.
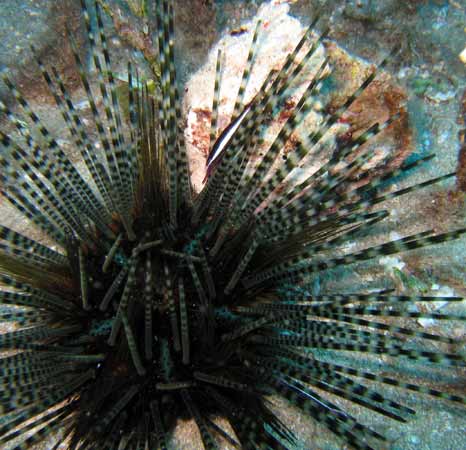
(146, 345)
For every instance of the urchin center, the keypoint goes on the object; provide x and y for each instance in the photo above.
(141, 295)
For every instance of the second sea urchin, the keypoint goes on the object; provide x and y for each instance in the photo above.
(160, 304)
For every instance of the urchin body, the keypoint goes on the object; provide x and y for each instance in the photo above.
(165, 305)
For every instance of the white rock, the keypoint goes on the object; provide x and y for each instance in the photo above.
(392, 262)
(278, 36)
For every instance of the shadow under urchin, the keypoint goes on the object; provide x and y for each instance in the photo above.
(161, 304)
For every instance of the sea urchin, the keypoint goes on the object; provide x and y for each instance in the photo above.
(158, 304)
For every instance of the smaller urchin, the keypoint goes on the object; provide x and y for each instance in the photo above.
(160, 305)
